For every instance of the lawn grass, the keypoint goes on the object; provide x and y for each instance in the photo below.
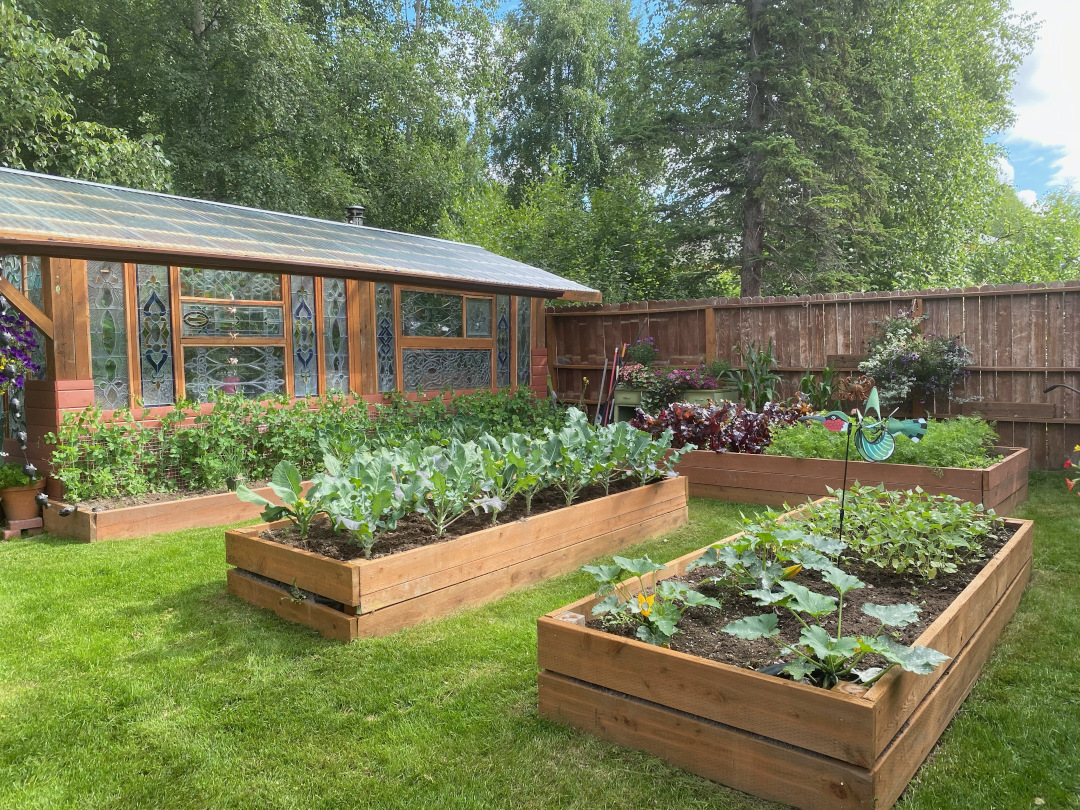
(130, 679)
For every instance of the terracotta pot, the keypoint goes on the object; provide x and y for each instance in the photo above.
(19, 503)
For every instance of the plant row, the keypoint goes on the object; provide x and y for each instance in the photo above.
(366, 495)
(907, 533)
(187, 450)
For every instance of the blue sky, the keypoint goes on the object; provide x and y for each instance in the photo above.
(1044, 143)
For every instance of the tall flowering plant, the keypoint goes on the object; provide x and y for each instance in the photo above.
(902, 357)
(17, 341)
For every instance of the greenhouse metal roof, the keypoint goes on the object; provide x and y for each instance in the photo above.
(58, 216)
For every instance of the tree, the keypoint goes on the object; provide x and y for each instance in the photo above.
(812, 145)
(39, 125)
(572, 64)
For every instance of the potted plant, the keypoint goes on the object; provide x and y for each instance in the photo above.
(19, 491)
(634, 376)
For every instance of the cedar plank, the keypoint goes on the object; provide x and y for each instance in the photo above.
(537, 545)
(734, 758)
(334, 579)
(899, 763)
(327, 621)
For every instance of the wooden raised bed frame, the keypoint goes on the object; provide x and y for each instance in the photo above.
(785, 741)
(380, 596)
(200, 512)
(776, 480)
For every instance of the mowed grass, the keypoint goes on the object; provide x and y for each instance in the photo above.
(130, 679)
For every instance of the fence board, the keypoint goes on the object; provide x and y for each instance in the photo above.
(1022, 337)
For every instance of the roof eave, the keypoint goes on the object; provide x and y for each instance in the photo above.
(149, 255)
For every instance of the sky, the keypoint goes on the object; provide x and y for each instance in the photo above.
(1044, 143)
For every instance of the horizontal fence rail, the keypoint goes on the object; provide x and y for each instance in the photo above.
(1023, 337)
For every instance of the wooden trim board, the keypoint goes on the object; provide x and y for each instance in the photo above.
(776, 480)
(200, 512)
(403, 589)
(776, 739)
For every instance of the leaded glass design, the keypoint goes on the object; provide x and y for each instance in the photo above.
(33, 280)
(385, 355)
(336, 335)
(305, 350)
(227, 320)
(253, 371)
(11, 267)
(524, 340)
(478, 317)
(155, 334)
(428, 314)
(502, 340)
(108, 335)
(231, 284)
(436, 369)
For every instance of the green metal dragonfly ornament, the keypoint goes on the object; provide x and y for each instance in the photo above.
(872, 433)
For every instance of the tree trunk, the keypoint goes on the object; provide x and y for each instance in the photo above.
(753, 230)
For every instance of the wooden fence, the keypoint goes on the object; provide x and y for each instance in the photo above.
(1023, 337)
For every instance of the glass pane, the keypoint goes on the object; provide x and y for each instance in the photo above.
(336, 335)
(385, 356)
(524, 340)
(478, 317)
(224, 320)
(305, 350)
(108, 338)
(502, 340)
(232, 284)
(155, 334)
(425, 314)
(436, 369)
(11, 266)
(33, 280)
(253, 371)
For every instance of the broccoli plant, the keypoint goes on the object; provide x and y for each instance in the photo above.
(299, 508)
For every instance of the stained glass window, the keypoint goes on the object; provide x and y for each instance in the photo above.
(502, 340)
(478, 317)
(524, 340)
(336, 335)
(11, 266)
(227, 320)
(108, 338)
(385, 355)
(155, 334)
(427, 314)
(33, 280)
(305, 350)
(253, 371)
(230, 284)
(436, 369)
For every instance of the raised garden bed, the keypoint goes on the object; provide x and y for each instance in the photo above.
(775, 738)
(357, 598)
(177, 514)
(774, 480)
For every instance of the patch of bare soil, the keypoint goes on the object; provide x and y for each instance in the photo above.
(105, 504)
(414, 531)
(700, 627)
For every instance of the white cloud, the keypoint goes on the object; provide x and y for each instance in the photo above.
(1028, 197)
(1006, 171)
(1047, 96)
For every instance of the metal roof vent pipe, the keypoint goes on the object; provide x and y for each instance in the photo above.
(354, 214)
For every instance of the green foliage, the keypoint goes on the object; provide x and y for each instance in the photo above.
(964, 441)
(654, 610)
(191, 450)
(40, 128)
(298, 507)
(756, 381)
(903, 358)
(820, 393)
(906, 532)
(12, 475)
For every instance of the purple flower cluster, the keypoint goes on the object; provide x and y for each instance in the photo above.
(693, 379)
(17, 342)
